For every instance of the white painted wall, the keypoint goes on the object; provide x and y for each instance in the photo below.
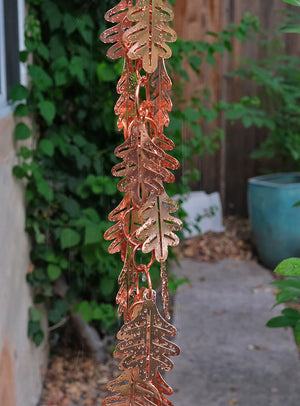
(22, 365)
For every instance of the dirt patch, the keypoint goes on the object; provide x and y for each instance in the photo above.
(74, 379)
(235, 242)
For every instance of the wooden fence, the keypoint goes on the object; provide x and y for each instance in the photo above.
(229, 169)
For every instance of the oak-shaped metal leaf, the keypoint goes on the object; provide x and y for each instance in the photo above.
(151, 32)
(127, 221)
(125, 106)
(162, 104)
(132, 391)
(144, 344)
(157, 232)
(164, 390)
(114, 35)
(126, 294)
(162, 141)
(164, 289)
(144, 164)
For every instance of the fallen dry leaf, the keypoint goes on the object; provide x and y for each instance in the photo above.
(235, 242)
(274, 390)
(74, 379)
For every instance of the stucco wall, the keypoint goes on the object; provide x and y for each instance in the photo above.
(22, 365)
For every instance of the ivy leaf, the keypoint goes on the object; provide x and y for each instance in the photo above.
(86, 311)
(34, 326)
(69, 23)
(64, 263)
(60, 63)
(47, 147)
(38, 337)
(85, 32)
(23, 56)
(39, 237)
(19, 92)
(60, 78)
(92, 234)
(76, 68)
(21, 110)
(34, 314)
(107, 286)
(39, 77)
(43, 51)
(97, 313)
(53, 14)
(91, 214)
(19, 172)
(72, 207)
(47, 110)
(58, 311)
(106, 73)
(69, 238)
(52, 258)
(289, 267)
(45, 190)
(22, 132)
(57, 47)
(53, 272)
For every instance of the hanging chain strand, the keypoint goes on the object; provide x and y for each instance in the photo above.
(144, 224)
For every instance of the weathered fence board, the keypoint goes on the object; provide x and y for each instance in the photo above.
(229, 169)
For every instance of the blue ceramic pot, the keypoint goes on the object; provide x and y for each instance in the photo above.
(275, 222)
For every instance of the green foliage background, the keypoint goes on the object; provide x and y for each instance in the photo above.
(67, 172)
(276, 77)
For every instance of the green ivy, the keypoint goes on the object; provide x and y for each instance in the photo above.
(69, 187)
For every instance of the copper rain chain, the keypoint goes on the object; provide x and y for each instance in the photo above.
(144, 219)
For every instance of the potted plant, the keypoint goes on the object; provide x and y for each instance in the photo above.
(272, 197)
(275, 223)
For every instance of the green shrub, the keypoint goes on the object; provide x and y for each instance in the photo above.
(289, 292)
(276, 76)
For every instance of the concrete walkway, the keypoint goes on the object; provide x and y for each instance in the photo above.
(228, 355)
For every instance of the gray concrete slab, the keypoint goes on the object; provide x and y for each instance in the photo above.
(228, 355)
